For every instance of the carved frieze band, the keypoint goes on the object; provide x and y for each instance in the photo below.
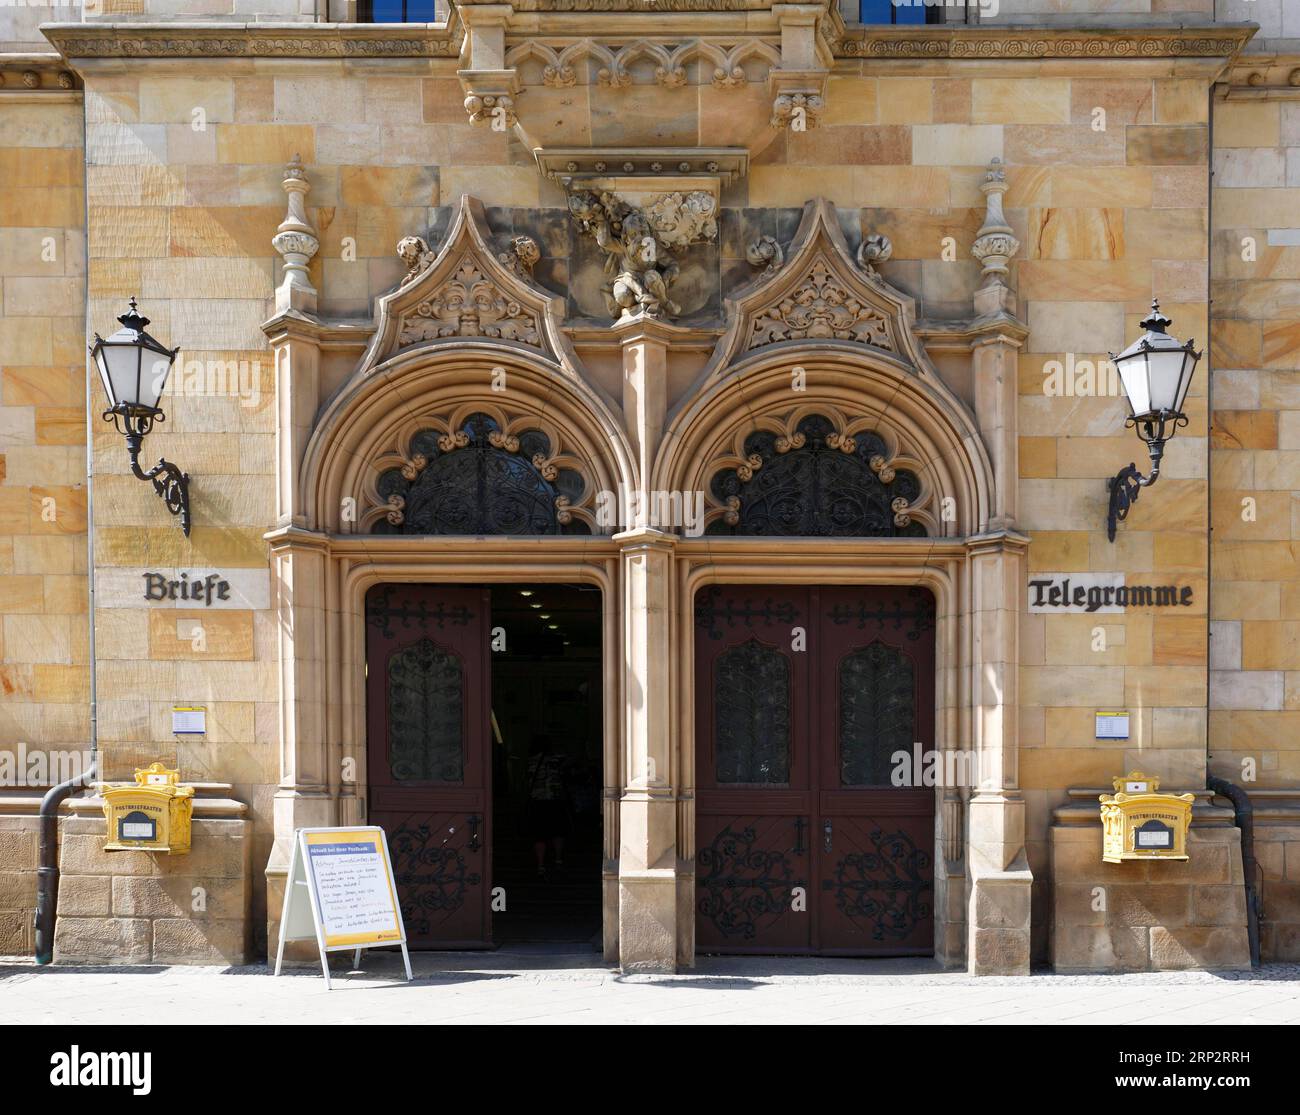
(561, 63)
(1024, 44)
(26, 74)
(328, 42)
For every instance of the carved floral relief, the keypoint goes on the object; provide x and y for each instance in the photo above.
(469, 305)
(821, 307)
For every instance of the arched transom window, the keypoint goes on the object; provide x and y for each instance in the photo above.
(815, 479)
(481, 475)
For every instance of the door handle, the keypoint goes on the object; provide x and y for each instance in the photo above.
(828, 834)
(799, 825)
(473, 820)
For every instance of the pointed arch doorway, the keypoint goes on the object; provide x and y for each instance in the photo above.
(484, 739)
(810, 701)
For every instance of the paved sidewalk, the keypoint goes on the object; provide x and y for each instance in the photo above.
(529, 987)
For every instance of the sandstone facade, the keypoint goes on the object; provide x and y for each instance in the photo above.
(1160, 158)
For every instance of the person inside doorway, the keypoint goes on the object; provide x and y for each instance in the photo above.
(548, 802)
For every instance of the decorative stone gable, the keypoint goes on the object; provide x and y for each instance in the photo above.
(471, 287)
(815, 290)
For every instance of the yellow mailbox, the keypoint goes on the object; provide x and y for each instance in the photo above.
(1139, 823)
(150, 815)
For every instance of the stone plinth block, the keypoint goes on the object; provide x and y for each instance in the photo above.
(1148, 915)
(143, 908)
(647, 920)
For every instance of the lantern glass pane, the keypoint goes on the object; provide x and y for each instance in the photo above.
(1133, 374)
(120, 369)
(101, 366)
(1166, 375)
(1189, 369)
(153, 378)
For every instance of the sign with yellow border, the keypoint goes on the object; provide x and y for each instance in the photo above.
(340, 891)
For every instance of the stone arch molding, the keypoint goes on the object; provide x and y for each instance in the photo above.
(863, 368)
(465, 333)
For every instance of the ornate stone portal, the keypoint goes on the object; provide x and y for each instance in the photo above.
(471, 356)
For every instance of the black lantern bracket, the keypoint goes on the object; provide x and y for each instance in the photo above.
(1155, 429)
(171, 484)
(1157, 371)
(134, 395)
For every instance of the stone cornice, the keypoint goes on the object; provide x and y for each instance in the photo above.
(255, 40)
(965, 335)
(1222, 40)
(1265, 77)
(356, 40)
(36, 74)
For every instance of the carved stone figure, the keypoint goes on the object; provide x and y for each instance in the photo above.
(495, 108)
(522, 256)
(639, 270)
(797, 110)
(874, 249)
(635, 242)
(766, 253)
(415, 253)
(681, 219)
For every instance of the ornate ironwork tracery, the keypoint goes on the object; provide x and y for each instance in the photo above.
(425, 716)
(877, 713)
(480, 479)
(431, 876)
(816, 482)
(741, 885)
(890, 887)
(751, 702)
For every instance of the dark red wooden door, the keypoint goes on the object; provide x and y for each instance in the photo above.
(804, 696)
(754, 794)
(874, 690)
(427, 720)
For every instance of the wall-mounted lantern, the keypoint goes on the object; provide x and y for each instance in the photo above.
(1156, 371)
(134, 368)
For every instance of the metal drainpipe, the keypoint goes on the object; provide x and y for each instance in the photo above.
(1245, 817)
(47, 874)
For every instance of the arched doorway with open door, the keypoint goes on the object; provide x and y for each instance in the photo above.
(484, 745)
